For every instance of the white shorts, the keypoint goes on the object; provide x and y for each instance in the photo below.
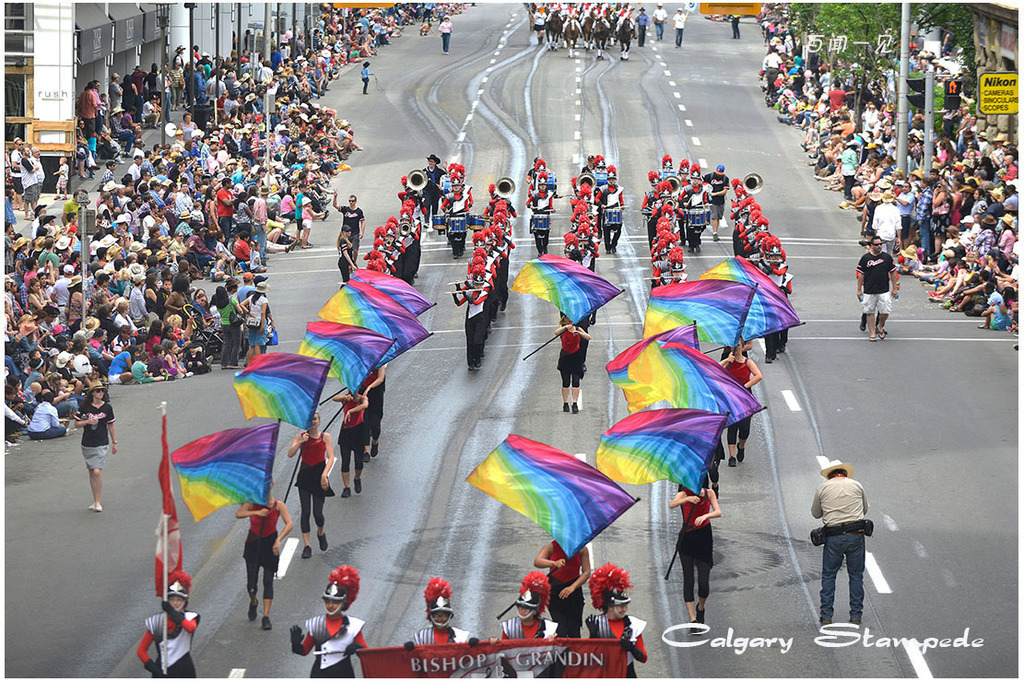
(114, 378)
(877, 303)
(307, 224)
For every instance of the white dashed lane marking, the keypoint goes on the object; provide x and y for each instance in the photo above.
(791, 402)
(237, 672)
(875, 573)
(290, 545)
(681, 106)
(696, 141)
(688, 122)
(677, 96)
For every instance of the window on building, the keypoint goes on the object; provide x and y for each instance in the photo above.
(15, 104)
(18, 39)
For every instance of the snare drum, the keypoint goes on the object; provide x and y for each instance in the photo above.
(540, 222)
(601, 178)
(439, 222)
(613, 216)
(698, 217)
(477, 222)
(457, 223)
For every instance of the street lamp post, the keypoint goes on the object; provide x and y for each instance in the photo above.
(191, 7)
(165, 21)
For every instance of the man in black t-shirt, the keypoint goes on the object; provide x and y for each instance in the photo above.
(353, 223)
(874, 273)
(719, 182)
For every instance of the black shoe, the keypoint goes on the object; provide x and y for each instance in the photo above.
(347, 492)
(307, 551)
(358, 485)
(714, 487)
(739, 454)
(700, 615)
(782, 348)
(575, 408)
(366, 458)
(322, 537)
(565, 407)
(769, 359)
(863, 323)
(252, 611)
(266, 623)
(373, 448)
(697, 248)
(825, 621)
(732, 461)
(855, 621)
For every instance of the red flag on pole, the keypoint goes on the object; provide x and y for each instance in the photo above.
(169, 516)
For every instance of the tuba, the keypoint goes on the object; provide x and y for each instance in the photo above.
(753, 183)
(588, 178)
(416, 180)
(504, 187)
(676, 183)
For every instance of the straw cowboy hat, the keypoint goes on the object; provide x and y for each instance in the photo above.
(836, 465)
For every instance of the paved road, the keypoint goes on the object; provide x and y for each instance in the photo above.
(927, 416)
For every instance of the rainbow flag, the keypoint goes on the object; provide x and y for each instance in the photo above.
(398, 289)
(225, 468)
(684, 377)
(363, 305)
(770, 310)
(352, 351)
(568, 498)
(618, 369)
(658, 445)
(718, 307)
(573, 288)
(282, 386)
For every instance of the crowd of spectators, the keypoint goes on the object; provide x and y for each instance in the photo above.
(952, 225)
(126, 304)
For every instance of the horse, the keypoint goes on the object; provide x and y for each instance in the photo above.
(587, 32)
(553, 30)
(602, 31)
(625, 34)
(571, 33)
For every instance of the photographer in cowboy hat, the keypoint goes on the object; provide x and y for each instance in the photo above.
(840, 502)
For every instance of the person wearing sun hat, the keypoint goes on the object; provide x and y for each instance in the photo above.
(841, 503)
(886, 221)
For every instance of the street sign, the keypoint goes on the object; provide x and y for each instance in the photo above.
(740, 8)
(997, 93)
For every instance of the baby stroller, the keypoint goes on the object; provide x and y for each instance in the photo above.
(206, 332)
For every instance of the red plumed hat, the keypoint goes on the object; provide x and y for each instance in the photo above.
(608, 586)
(540, 163)
(676, 255)
(343, 583)
(375, 264)
(535, 591)
(652, 176)
(479, 253)
(571, 239)
(666, 159)
(585, 190)
(612, 171)
(478, 237)
(598, 158)
(438, 595)
(479, 271)
(378, 243)
(490, 188)
(664, 187)
(408, 205)
(179, 584)
(684, 164)
(378, 231)
(404, 180)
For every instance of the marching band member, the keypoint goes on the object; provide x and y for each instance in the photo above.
(534, 594)
(676, 265)
(773, 264)
(432, 192)
(456, 205)
(572, 247)
(666, 167)
(542, 204)
(696, 200)
(181, 624)
(334, 635)
(410, 227)
(611, 201)
(474, 292)
(660, 204)
(660, 261)
(439, 612)
(504, 244)
(608, 587)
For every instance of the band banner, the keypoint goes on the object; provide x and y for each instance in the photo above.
(506, 658)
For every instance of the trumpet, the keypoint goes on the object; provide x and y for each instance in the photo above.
(753, 182)
(416, 180)
(504, 187)
(675, 182)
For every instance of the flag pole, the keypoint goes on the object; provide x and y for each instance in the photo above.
(166, 523)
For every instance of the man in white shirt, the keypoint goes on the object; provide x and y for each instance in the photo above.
(886, 222)
(30, 183)
(659, 18)
(59, 291)
(135, 170)
(679, 23)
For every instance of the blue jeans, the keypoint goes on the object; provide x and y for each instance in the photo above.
(261, 240)
(445, 39)
(52, 432)
(128, 137)
(924, 228)
(659, 29)
(679, 37)
(850, 545)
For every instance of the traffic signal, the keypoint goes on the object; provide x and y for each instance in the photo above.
(951, 91)
(916, 92)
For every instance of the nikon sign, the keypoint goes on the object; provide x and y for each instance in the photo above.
(997, 93)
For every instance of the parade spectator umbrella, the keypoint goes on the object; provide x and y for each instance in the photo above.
(226, 468)
(283, 386)
(576, 291)
(352, 351)
(657, 445)
(676, 372)
(770, 310)
(568, 498)
(719, 307)
(363, 305)
(398, 289)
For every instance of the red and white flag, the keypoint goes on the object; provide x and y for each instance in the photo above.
(170, 515)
